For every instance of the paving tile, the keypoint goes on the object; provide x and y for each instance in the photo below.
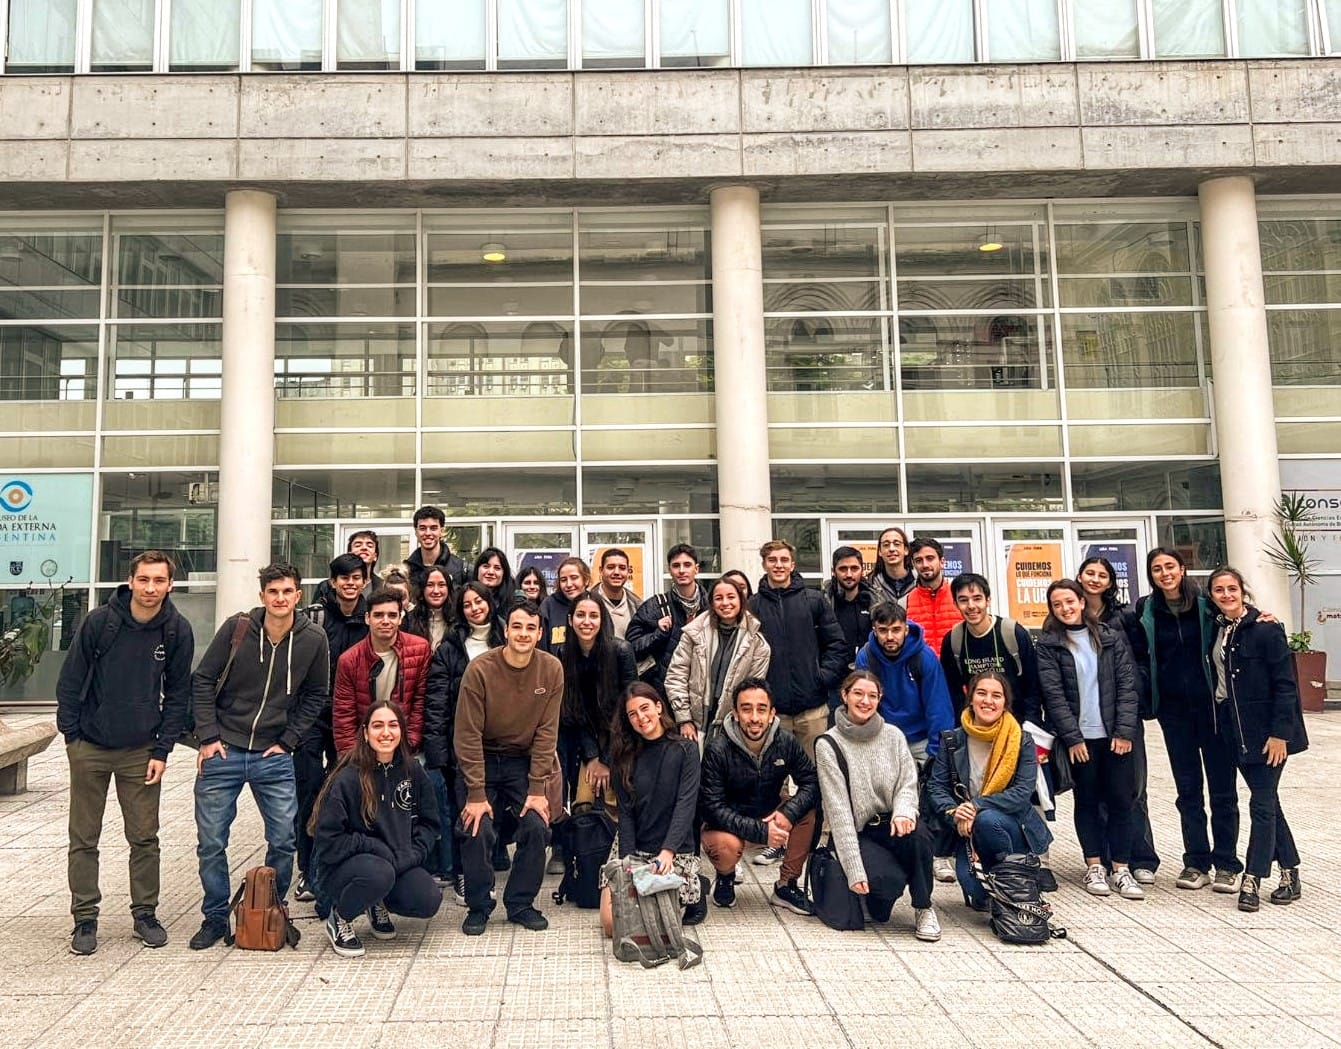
(27, 1016)
(936, 1031)
(416, 1035)
(553, 1033)
(317, 1035)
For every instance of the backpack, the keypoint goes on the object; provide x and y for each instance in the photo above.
(959, 644)
(111, 627)
(647, 928)
(1018, 911)
(585, 838)
(260, 921)
(836, 905)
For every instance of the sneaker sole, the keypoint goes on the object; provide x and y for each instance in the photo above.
(1224, 890)
(346, 952)
(1193, 888)
(926, 937)
(725, 906)
(305, 897)
(82, 954)
(382, 935)
(1098, 892)
(472, 931)
(765, 861)
(161, 943)
(784, 905)
(1131, 896)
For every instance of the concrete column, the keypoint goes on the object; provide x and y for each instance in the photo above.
(743, 486)
(247, 438)
(1245, 418)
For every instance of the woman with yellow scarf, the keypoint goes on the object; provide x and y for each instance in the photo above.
(984, 783)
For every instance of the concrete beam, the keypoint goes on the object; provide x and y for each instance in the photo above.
(653, 104)
(993, 97)
(791, 101)
(155, 107)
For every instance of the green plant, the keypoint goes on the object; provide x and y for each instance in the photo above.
(23, 645)
(1290, 552)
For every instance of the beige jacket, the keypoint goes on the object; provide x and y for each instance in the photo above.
(689, 676)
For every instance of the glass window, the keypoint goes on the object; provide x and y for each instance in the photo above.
(632, 355)
(355, 359)
(309, 549)
(702, 534)
(646, 264)
(323, 273)
(694, 33)
(1201, 540)
(1107, 30)
(532, 34)
(123, 36)
(41, 36)
(302, 494)
(368, 34)
(1023, 31)
(1332, 14)
(204, 35)
(1127, 247)
(286, 34)
(1125, 486)
(836, 489)
(165, 362)
(804, 535)
(938, 30)
(449, 36)
(491, 492)
(1115, 350)
(1000, 487)
(500, 359)
(977, 249)
(1269, 28)
(649, 489)
(1189, 28)
(859, 32)
(502, 267)
(1301, 260)
(1303, 347)
(170, 511)
(1004, 351)
(822, 354)
(49, 275)
(775, 33)
(614, 34)
(48, 363)
(168, 275)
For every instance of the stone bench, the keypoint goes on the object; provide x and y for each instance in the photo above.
(17, 745)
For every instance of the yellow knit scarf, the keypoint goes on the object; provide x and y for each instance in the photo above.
(1005, 738)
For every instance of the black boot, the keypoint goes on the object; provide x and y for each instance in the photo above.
(694, 913)
(1289, 889)
(1248, 898)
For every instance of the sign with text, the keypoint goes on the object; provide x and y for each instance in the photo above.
(958, 557)
(547, 561)
(1122, 556)
(635, 554)
(1030, 568)
(45, 526)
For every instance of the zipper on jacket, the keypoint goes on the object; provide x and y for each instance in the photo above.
(265, 692)
(1233, 695)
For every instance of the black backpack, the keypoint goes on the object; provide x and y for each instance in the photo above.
(1019, 913)
(586, 837)
(836, 905)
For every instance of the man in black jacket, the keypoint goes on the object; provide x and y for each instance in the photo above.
(851, 598)
(744, 768)
(340, 612)
(654, 631)
(429, 521)
(121, 702)
(259, 688)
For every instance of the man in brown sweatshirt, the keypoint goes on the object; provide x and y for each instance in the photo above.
(507, 728)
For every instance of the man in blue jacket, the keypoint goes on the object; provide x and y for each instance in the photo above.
(913, 697)
(121, 702)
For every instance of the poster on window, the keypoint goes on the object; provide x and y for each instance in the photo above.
(547, 561)
(45, 528)
(635, 554)
(1122, 556)
(958, 557)
(1030, 567)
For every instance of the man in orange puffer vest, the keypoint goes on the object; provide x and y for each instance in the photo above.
(930, 604)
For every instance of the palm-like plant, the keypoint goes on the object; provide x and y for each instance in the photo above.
(1290, 552)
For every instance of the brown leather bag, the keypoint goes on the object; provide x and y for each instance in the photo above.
(260, 922)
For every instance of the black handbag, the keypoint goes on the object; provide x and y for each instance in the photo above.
(944, 834)
(835, 904)
(1059, 761)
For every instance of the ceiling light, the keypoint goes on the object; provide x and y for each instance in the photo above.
(988, 243)
(493, 252)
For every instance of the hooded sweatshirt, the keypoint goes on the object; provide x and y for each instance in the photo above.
(139, 689)
(809, 655)
(912, 686)
(273, 693)
(405, 830)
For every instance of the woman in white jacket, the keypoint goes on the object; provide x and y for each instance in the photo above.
(718, 649)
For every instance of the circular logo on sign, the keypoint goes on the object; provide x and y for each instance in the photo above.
(16, 496)
(50, 568)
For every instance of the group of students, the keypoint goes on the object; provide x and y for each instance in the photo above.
(405, 731)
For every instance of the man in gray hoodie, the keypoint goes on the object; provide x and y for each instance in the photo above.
(260, 686)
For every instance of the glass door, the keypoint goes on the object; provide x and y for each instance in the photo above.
(962, 540)
(1124, 543)
(540, 543)
(1029, 557)
(637, 539)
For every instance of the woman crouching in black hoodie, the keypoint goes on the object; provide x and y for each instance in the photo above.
(374, 825)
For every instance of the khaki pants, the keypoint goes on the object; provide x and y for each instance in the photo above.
(725, 850)
(91, 770)
(807, 726)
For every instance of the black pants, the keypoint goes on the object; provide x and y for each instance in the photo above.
(1195, 751)
(1108, 780)
(1143, 854)
(1269, 837)
(313, 759)
(506, 782)
(355, 885)
(893, 862)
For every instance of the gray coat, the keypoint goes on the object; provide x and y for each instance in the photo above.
(689, 676)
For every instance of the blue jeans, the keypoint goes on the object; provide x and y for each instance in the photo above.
(994, 835)
(444, 861)
(217, 788)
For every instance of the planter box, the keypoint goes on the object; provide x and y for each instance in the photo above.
(1310, 672)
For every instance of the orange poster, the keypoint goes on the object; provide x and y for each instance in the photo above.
(868, 555)
(1030, 568)
(635, 556)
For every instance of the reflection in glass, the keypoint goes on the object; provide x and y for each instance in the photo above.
(204, 35)
(41, 258)
(694, 33)
(955, 353)
(299, 494)
(858, 32)
(173, 512)
(824, 353)
(1297, 255)
(1303, 347)
(169, 275)
(1006, 488)
(1145, 486)
(165, 362)
(633, 355)
(1124, 247)
(813, 252)
(958, 250)
(839, 488)
(344, 360)
(1129, 350)
(490, 492)
(332, 257)
(499, 359)
(49, 363)
(501, 254)
(307, 548)
(650, 489)
(1201, 540)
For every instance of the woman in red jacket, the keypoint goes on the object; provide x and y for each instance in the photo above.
(388, 664)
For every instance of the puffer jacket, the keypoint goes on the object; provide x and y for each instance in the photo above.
(1119, 686)
(445, 671)
(934, 611)
(738, 788)
(356, 688)
(689, 676)
(1262, 696)
(809, 653)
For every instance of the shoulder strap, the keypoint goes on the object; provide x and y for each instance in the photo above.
(1012, 643)
(241, 623)
(841, 758)
(959, 644)
(111, 626)
(948, 747)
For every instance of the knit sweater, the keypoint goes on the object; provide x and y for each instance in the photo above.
(882, 779)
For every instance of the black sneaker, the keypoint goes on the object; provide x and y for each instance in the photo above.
(383, 928)
(724, 889)
(84, 939)
(148, 929)
(1289, 889)
(344, 941)
(211, 931)
(530, 918)
(459, 889)
(1248, 898)
(787, 894)
(302, 892)
(475, 923)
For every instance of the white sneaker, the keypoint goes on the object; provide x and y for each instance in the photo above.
(926, 926)
(1125, 883)
(943, 868)
(1143, 875)
(1096, 881)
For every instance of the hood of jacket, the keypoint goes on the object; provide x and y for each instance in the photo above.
(736, 735)
(766, 591)
(913, 647)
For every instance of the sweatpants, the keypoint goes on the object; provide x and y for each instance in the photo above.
(506, 782)
(893, 862)
(356, 884)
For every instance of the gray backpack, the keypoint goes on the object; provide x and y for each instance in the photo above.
(648, 929)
